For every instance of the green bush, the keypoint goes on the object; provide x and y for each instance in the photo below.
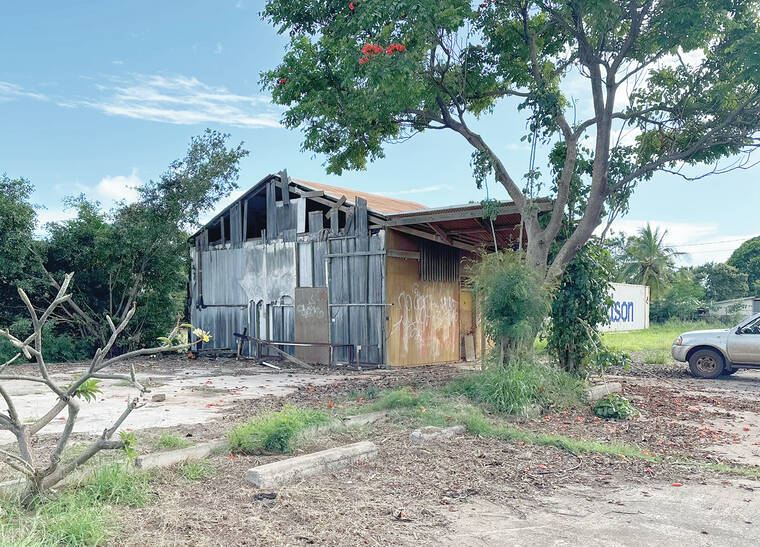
(656, 357)
(512, 300)
(614, 406)
(273, 432)
(59, 347)
(514, 387)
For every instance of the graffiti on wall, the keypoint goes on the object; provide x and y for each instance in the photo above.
(427, 321)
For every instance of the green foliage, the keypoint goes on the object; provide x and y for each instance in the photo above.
(130, 444)
(512, 300)
(196, 470)
(168, 441)
(649, 261)
(273, 432)
(614, 406)
(746, 259)
(683, 299)
(580, 305)
(722, 281)
(117, 484)
(136, 254)
(461, 60)
(88, 390)
(514, 387)
(59, 345)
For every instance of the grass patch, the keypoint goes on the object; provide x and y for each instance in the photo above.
(74, 520)
(196, 470)
(369, 393)
(116, 484)
(168, 441)
(515, 387)
(656, 357)
(274, 431)
(659, 336)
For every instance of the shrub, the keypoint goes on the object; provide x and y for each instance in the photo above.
(514, 387)
(513, 302)
(614, 406)
(273, 432)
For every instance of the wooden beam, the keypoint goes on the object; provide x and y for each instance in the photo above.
(285, 186)
(433, 237)
(408, 255)
(476, 212)
(314, 194)
(337, 205)
(441, 232)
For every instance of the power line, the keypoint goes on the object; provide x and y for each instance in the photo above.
(711, 242)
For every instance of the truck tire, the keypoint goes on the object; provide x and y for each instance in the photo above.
(727, 372)
(706, 363)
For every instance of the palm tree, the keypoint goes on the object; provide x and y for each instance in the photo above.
(648, 260)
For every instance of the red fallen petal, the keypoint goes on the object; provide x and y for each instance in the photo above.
(542, 466)
(746, 429)
(676, 484)
(521, 443)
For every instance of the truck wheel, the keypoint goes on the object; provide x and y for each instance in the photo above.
(706, 363)
(727, 372)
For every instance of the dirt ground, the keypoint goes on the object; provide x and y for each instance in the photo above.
(464, 491)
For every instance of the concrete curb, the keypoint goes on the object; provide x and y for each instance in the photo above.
(166, 459)
(602, 390)
(365, 419)
(276, 474)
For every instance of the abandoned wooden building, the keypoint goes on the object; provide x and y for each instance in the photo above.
(373, 279)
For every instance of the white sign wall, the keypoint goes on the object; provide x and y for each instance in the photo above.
(630, 307)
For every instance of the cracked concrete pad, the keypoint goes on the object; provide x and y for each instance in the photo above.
(693, 515)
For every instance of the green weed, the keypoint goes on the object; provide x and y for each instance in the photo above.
(168, 441)
(273, 432)
(196, 470)
(116, 484)
(659, 336)
(656, 357)
(516, 386)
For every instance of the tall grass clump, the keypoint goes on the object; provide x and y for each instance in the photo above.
(167, 441)
(274, 431)
(116, 484)
(512, 388)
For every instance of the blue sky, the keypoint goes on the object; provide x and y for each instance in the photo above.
(96, 97)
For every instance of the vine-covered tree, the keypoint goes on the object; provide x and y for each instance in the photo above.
(668, 83)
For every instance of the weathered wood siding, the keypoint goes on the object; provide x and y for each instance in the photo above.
(423, 324)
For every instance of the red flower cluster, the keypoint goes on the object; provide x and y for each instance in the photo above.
(370, 50)
(283, 80)
(351, 6)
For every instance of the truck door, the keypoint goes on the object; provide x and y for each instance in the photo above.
(744, 343)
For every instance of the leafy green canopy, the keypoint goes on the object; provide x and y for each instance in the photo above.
(681, 76)
(136, 254)
(649, 261)
(746, 259)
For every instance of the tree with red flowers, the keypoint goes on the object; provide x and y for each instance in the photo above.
(621, 89)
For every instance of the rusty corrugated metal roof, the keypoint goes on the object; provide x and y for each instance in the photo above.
(381, 204)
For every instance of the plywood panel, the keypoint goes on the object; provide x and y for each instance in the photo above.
(312, 323)
(423, 324)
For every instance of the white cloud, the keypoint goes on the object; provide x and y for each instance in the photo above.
(117, 62)
(701, 242)
(10, 92)
(183, 100)
(120, 187)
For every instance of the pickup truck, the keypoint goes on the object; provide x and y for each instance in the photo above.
(711, 353)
